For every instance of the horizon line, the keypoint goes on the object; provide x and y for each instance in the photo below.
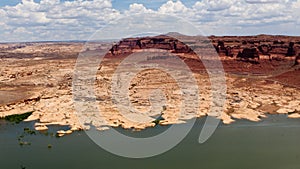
(112, 40)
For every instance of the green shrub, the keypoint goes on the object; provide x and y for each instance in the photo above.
(17, 118)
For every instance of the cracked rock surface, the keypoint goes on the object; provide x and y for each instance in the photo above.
(40, 81)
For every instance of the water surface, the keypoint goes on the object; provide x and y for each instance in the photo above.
(273, 143)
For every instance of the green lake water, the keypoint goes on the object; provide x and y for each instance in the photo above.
(273, 143)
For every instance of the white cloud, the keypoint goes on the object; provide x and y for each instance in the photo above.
(266, 1)
(173, 7)
(218, 5)
(56, 20)
(78, 19)
(50, 2)
(137, 9)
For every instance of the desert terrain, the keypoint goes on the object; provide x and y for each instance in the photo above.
(37, 77)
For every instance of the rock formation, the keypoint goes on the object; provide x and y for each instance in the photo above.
(297, 60)
(41, 81)
(291, 50)
(265, 50)
(158, 42)
(229, 51)
(248, 53)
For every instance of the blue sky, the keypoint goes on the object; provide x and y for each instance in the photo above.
(9, 2)
(152, 4)
(31, 20)
(118, 4)
(14, 2)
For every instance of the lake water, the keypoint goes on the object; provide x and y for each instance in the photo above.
(273, 143)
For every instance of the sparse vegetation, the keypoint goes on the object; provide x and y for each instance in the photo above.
(17, 118)
(28, 131)
(49, 146)
(157, 121)
(21, 143)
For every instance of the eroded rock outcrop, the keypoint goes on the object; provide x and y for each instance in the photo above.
(157, 42)
(291, 50)
(248, 53)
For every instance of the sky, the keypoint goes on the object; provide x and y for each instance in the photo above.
(58, 20)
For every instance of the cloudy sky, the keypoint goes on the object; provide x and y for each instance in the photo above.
(40, 20)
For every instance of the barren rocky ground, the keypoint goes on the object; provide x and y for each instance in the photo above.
(37, 77)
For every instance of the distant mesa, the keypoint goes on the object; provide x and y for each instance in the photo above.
(157, 42)
(245, 48)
